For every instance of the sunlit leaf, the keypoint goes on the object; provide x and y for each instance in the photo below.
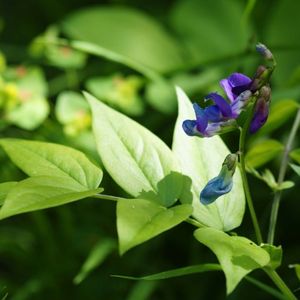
(201, 159)
(47, 159)
(5, 188)
(139, 220)
(135, 158)
(40, 192)
(237, 255)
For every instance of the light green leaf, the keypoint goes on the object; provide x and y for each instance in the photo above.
(295, 155)
(275, 253)
(237, 255)
(47, 159)
(280, 113)
(69, 105)
(118, 91)
(30, 114)
(135, 158)
(286, 185)
(142, 290)
(201, 159)
(5, 187)
(296, 168)
(263, 152)
(139, 220)
(210, 29)
(136, 36)
(96, 257)
(176, 272)
(42, 192)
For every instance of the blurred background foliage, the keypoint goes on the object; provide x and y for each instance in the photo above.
(130, 54)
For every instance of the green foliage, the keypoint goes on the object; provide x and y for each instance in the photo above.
(210, 29)
(201, 160)
(5, 187)
(119, 92)
(176, 272)
(40, 192)
(263, 152)
(156, 50)
(139, 220)
(237, 255)
(52, 160)
(295, 155)
(275, 253)
(135, 158)
(95, 258)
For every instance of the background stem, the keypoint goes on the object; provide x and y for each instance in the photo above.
(281, 175)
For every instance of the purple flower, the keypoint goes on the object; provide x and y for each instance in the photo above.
(222, 184)
(235, 84)
(202, 126)
(261, 111)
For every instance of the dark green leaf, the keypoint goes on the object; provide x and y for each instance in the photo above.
(96, 257)
(156, 49)
(263, 152)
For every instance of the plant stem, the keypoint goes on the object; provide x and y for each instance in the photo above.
(243, 135)
(281, 175)
(280, 284)
(108, 197)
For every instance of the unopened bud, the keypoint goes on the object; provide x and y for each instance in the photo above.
(264, 51)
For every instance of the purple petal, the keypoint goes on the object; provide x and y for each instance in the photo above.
(223, 105)
(201, 118)
(260, 116)
(227, 89)
(239, 103)
(238, 79)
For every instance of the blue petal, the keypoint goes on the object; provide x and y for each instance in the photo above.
(215, 188)
(213, 113)
(190, 127)
(201, 118)
(223, 105)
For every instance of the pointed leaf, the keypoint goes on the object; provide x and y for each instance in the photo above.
(42, 192)
(96, 257)
(201, 159)
(296, 169)
(5, 187)
(43, 159)
(135, 158)
(139, 220)
(237, 255)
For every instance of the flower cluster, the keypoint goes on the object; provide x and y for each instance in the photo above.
(240, 89)
(221, 117)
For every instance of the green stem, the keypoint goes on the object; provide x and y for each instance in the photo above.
(108, 197)
(243, 135)
(266, 288)
(281, 176)
(280, 284)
